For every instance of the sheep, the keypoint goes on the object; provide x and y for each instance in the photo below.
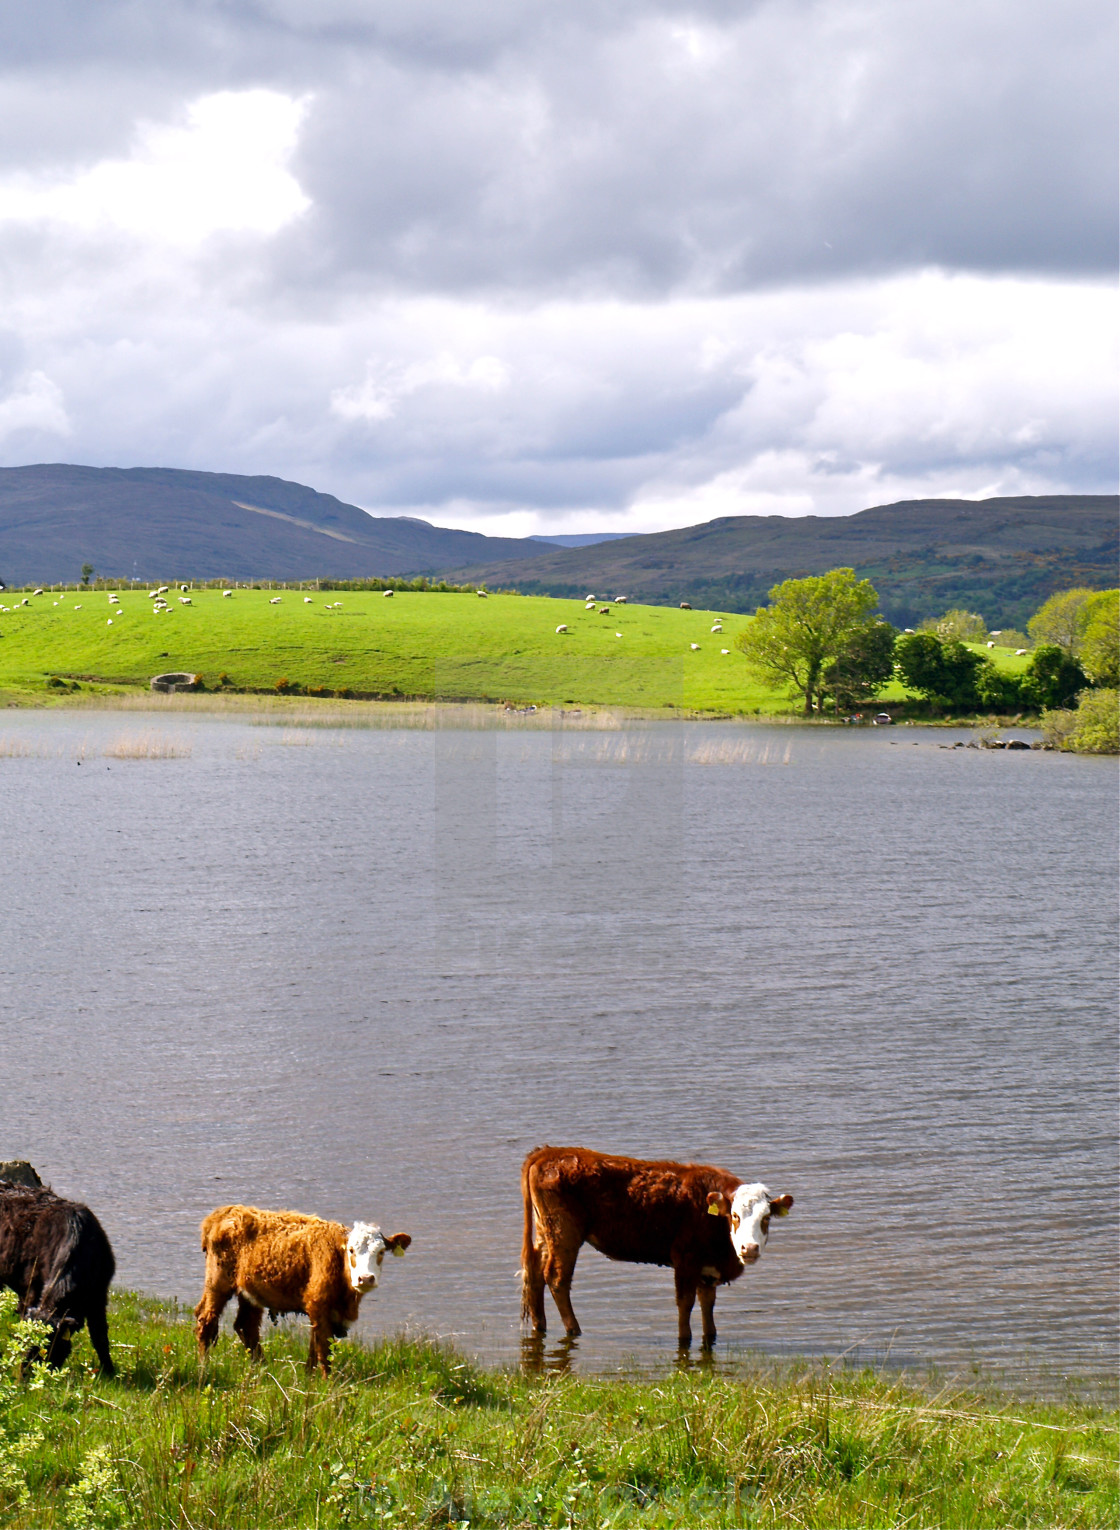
(184, 600)
(152, 594)
(991, 645)
(36, 592)
(717, 627)
(227, 594)
(590, 599)
(620, 600)
(685, 606)
(184, 588)
(1019, 652)
(308, 601)
(562, 628)
(274, 600)
(725, 650)
(386, 593)
(695, 647)
(163, 589)
(604, 610)
(481, 594)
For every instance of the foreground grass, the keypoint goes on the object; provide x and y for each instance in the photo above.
(409, 1433)
(424, 645)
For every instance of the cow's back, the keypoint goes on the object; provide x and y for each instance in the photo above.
(638, 1210)
(48, 1243)
(273, 1251)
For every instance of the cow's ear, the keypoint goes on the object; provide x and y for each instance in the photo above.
(718, 1205)
(398, 1242)
(780, 1205)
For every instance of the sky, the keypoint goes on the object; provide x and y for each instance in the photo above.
(541, 266)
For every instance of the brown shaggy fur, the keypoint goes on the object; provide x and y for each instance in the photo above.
(279, 1260)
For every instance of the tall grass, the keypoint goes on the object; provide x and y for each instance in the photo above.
(410, 1433)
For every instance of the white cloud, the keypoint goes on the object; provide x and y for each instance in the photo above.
(36, 405)
(224, 169)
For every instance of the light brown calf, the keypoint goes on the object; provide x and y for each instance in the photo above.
(284, 1261)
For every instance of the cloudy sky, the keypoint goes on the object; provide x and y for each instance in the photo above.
(565, 265)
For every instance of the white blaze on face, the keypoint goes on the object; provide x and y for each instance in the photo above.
(365, 1249)
(750, 1221)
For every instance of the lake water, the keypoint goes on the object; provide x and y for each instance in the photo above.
(361, 973)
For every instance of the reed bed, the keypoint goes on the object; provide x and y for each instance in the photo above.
(410, 1433)
(148, 745)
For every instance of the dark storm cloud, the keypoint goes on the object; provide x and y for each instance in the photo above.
(639, 147)
(530, 266)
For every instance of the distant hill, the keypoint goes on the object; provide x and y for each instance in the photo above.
(166, 523)
(583, 538)
(1001, 557)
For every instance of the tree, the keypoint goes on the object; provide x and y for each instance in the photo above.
(87, 570)
(957, 626)
(1058, 620)
(1100, 638)
(805, 626)
(1053, 678)
(863, 665)
(944, 673)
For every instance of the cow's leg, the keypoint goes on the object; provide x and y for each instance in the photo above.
(559, 1267)
(319, 1351)
(98, 1324)
(706, 1291)
(686, 1296)
(208, 1314)
(247, 1325)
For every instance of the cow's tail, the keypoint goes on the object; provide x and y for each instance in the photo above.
(530, 1255)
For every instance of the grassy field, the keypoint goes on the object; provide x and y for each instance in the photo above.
(438, 646)
(408, 1433)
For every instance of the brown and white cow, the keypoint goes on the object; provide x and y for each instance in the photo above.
(707, 1224)
(284, 1261)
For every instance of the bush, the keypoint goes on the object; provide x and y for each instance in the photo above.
(1052, 678)
(946, 674)
(957, 627)
(1092, 728)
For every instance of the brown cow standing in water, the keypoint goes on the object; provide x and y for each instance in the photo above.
(284, 1261)
(707, 1224)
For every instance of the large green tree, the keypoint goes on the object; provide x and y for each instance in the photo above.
(863, 664)
(1059, 620)
(805, 626)
(1100, 638)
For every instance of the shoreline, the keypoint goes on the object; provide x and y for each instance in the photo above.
(429, 715)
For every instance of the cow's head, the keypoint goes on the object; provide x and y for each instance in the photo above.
(749, 1211)
(366, 1247)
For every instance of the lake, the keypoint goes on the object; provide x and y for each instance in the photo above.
(360, 972)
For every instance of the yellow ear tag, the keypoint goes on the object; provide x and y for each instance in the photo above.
(713, 1209)
(398, 1252)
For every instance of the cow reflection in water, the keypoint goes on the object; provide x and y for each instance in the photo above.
(703, 1222)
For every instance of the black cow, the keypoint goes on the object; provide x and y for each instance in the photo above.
(55, 1256)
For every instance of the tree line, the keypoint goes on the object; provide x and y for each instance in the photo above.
(821, 638)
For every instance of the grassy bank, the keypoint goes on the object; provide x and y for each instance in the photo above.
(423, 645)
(409, 1433)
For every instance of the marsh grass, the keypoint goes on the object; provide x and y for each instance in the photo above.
(410, 1433)
(148, 745)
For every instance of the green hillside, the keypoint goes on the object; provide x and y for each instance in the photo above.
(1000, 557)
(439, 646)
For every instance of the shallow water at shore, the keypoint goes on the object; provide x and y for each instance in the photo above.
(362, 972)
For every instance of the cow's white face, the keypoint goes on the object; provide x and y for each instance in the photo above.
(749, 1213)
(366, 1248)
(750, 1221)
